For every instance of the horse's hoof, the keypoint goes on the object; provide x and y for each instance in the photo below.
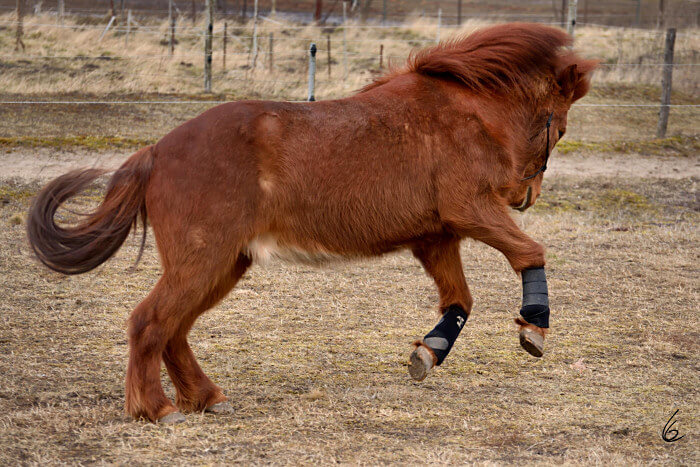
(219, 408)
(420, 364)
(172, 419)
(532, 342)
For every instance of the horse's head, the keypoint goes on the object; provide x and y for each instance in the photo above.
(548, 125)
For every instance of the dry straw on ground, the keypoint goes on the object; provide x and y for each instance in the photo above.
(314, 360)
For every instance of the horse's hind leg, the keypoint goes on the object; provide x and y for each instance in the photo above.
(195, 391)
(186, 289)
(442, 262)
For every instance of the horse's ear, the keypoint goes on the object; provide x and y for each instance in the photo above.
(574, 80)
(567, 80)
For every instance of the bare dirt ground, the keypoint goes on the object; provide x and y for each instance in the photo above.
(314, 360)
(47, 163)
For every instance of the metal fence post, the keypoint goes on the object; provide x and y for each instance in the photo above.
(571, 22)
(207, 45)
(312, 72)
(109, 25)
(666, 83)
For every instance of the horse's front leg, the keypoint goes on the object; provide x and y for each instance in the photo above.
(442, 262)
(489, 221)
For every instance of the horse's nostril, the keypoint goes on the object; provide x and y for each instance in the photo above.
(561, 133)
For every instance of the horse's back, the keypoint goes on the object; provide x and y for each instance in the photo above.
(335, 176)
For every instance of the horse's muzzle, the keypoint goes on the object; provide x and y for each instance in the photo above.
(526, 202)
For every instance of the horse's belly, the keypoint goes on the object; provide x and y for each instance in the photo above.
(266, 248)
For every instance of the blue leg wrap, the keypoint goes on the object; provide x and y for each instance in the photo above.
(443, 336)
(535, 308)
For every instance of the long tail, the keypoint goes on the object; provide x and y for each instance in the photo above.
(80, 248)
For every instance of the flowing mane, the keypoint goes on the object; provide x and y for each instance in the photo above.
(503, 57)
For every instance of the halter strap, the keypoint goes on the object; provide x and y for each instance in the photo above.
(546, 158)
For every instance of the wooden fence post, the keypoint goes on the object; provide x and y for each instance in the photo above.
(564, 8)
(345, 45)
(20, 26)
(437, 37)
(194, 13)
(273, 11)
(638, 13)
(666, 83)
(661, 20)
(271, 52)
(225, 40)
(384, 12)
(128, 28)
(207, 45)
(328, 49)
(254, 49)
(459, 12)
(317, 11)
(312, 72)
(381, 56)
(171, 23)
(61, 11)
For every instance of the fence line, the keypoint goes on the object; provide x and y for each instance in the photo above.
(299, 55)
(162, 29)
(102, 12)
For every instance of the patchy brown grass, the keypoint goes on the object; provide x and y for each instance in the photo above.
(314, 360)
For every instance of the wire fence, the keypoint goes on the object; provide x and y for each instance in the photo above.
(303, 34)
(622, 13)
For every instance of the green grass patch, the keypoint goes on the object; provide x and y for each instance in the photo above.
(675, 145)
(86, 142)
(11, 192)
(624, 92)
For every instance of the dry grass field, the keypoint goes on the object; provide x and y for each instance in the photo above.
(68, 64)
(315, 359)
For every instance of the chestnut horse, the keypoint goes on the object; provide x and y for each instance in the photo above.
(421, 158)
